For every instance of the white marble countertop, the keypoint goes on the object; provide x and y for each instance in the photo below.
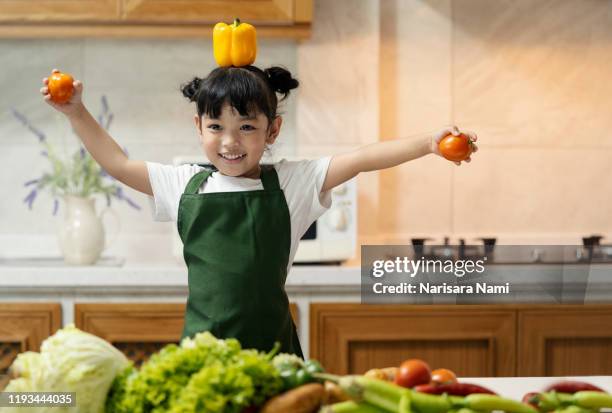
(114, 275)
(516, 387)
(111, 273)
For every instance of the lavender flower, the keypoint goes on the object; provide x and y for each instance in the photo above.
(55, 206)
(109, 120)
(104, 104)
(30, 198)
(31, 182)
(25, 122)
(131, 203)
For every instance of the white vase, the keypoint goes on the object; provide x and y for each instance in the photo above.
(81, 234)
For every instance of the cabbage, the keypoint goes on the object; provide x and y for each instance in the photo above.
(69, 361)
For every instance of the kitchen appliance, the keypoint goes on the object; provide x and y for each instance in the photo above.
(590, 252)
(331, 239)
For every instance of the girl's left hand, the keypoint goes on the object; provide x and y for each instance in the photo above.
(438, 136)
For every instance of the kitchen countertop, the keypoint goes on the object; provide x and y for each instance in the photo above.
(113, 273)
(110, 273)
(516, 387)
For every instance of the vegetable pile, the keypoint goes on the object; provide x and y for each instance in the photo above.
(414, 388)
(207, 375)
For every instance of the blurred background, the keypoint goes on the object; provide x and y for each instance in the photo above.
(529, 77)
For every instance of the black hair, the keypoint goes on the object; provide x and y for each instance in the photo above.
(248, 89)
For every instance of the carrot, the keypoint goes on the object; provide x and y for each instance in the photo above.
(303, 399)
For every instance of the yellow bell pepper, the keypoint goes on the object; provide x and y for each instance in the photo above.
(234, 44)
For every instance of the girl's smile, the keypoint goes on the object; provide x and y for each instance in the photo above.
(232, 158)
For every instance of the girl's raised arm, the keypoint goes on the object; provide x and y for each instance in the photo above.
(382, 155)
(99, 143)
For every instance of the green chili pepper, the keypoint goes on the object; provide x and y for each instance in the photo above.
(574, 409)
(552, 400)
(489, 402)
(593, 399)
(430, 403)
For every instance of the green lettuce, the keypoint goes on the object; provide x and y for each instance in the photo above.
(203, 374)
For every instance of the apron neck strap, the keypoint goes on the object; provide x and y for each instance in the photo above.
(269, 178)
(196, 181)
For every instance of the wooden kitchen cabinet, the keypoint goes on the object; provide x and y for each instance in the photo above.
(23, 327)
(562, 340)
(470, 340)
(151, 18)
(137, 329)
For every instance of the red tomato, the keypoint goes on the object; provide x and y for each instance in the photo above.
(455, 148)
(60, 87)
(413, 372)
(443, 376)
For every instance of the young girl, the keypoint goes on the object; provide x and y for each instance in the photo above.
(241, 223)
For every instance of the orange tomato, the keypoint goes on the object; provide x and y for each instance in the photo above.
(60, 87)
(413, 372)
(455, 148)
(443, 376)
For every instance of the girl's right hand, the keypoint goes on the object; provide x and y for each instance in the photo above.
(73, 106)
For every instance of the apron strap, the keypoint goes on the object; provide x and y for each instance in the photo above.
(196, 181)
(269, 178)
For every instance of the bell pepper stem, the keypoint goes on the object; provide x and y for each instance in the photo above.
(236, 22)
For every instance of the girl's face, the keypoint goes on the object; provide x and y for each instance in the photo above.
(233, 143)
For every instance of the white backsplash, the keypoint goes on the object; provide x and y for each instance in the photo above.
(530, 77)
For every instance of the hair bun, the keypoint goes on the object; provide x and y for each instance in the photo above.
(190, 89)
(281, 80)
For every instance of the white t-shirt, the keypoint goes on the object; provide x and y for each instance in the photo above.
(301, 182)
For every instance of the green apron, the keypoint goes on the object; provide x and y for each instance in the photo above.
(236, 246)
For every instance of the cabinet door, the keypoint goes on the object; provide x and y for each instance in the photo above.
(36, 11)
(137, 329)
(470, 340)
(276, 12)
(565, 340)
(23, 327)
(150, 18)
